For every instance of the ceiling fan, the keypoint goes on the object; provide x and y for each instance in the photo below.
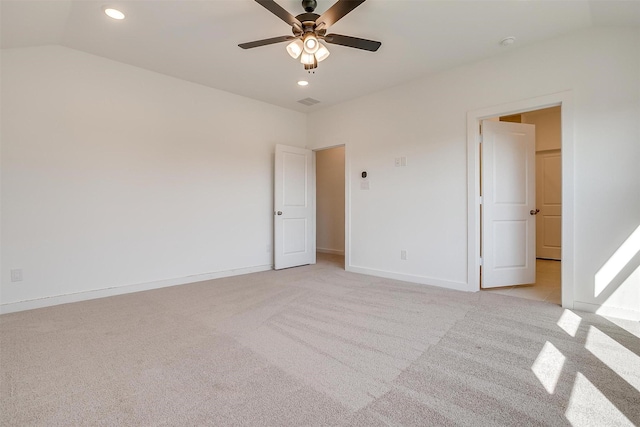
(309, 29)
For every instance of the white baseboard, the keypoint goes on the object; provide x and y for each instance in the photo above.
(422, 280)
(330, 251)
(126, 289)
(603, 310)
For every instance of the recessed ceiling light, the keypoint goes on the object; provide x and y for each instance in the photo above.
(303, 83)
(507, 41)
(114, 13)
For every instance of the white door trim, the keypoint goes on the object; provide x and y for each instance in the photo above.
(473, 184)
(347, 207)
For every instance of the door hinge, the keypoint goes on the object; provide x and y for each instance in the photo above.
(480, 261)
(480, 200)
(480, 139)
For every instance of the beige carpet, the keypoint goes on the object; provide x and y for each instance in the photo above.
(316, 345)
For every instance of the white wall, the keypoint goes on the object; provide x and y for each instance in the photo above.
(423, 207)
(113, 176)
(330, 200)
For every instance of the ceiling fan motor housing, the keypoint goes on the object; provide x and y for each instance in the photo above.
(309, 5)
(309, 25)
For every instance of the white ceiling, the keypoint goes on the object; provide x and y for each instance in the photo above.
(197, 40)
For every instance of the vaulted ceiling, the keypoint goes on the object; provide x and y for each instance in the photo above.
(197, 40)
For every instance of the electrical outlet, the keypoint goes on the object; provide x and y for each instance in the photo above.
(398, 161)
(16, 275)
(403, 254)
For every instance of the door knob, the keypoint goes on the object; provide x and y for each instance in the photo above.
(279, 213)
(534, 212)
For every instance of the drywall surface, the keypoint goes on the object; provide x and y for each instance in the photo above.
(548, 128)
(422, 207)
(330, 200)
(114, 176)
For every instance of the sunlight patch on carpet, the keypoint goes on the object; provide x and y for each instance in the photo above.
(588, 406)
(617, 357)
(569, 322)
(548, 366)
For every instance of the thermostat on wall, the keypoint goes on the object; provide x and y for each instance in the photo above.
(364, 184)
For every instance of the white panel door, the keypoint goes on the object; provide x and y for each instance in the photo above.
(295, 213)
(549, 201)
(508, 207)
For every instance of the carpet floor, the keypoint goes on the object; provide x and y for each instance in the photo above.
(316, 345)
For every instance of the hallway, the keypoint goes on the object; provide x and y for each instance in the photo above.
(547, 286)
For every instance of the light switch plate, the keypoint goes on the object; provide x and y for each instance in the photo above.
(16, 275)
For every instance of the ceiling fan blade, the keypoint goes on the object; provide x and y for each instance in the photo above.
(349, 41)
(277, 10)
(266, 42)
(338, 11)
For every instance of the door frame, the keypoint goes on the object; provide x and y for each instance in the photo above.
(474, 117)
(347, 197)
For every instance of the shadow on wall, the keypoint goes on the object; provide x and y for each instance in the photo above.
(619, 267)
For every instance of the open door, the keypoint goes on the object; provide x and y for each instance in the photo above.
(294, 205)
(549, 201)
(508, 204)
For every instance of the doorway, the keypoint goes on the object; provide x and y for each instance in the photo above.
(330, 205)
(474, 117)
(296, 206)
(547, 176)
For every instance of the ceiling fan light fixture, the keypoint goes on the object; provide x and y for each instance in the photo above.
(311, 43)
(307, 58)
(322, 53)
(295, 48)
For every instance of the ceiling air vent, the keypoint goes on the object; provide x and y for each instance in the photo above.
(309, 102)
